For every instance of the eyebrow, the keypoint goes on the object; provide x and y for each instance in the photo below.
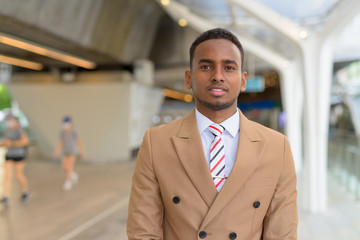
(230, 61)
(227, 61)
(205, 61)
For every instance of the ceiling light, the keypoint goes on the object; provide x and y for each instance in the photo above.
(165, 2)
(182, 22)
(303, 34)
(21, 63)
(46, 51)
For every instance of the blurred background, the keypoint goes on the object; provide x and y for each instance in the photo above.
(117, 67)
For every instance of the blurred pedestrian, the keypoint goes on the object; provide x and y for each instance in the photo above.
(71, 147)
(16, 142)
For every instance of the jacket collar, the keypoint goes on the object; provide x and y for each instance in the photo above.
(189, 148)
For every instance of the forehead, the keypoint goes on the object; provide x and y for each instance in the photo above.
(217, 49)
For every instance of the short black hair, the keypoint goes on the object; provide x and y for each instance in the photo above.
(67, 119)
(216, 33)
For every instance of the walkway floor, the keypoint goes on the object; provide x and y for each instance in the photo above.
(340, 222)
(94, 209)
(97, 207)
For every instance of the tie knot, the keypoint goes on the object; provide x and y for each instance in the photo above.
(216, 129)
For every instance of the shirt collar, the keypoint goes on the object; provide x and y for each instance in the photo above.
(232, 124)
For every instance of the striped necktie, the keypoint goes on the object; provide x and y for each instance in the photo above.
(217, 156)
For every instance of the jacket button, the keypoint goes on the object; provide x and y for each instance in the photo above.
(232, 235)
(202, 234)
(256, 204)
(176, 200)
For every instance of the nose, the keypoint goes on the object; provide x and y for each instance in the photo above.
(218, 75)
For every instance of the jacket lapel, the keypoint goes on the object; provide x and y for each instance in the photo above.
(189, 148)
(249, 152)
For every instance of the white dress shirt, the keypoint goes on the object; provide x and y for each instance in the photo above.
(230, 137)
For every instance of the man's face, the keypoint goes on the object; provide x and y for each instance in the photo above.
(67, 125)
(216, 78)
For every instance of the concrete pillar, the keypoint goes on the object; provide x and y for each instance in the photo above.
(317, 62)
(100, 103)
(292, 99)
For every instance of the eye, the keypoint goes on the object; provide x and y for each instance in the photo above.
(230, 68)
(205, 67)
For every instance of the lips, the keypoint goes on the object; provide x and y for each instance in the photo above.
(217, 90)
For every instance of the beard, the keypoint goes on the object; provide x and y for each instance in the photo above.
(216, 105)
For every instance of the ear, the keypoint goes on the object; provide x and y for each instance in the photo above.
(188, 79)
(243, 81)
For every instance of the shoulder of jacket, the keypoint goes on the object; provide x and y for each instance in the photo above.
(167, 129)
(266, 131)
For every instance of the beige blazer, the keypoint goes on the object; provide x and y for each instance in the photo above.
(174, 197)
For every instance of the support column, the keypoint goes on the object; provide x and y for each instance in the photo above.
(292, 98)
(317, 57)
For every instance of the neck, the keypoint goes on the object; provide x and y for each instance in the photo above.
(218, 116)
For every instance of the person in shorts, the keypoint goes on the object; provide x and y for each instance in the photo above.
(71, 146)
(16, 142)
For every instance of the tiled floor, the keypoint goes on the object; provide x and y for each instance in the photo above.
(97, 207)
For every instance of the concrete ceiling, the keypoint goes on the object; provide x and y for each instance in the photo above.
(303, 10)
(117, 32)
(104, 31)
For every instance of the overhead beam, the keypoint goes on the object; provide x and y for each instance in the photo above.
(177, 10)
(342, 13)
(273, 19)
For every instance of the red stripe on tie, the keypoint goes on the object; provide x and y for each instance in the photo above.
(216, 129)
(217, 163)
(215, 145)
(219, 182)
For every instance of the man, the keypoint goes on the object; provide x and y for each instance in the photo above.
(214, 174)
